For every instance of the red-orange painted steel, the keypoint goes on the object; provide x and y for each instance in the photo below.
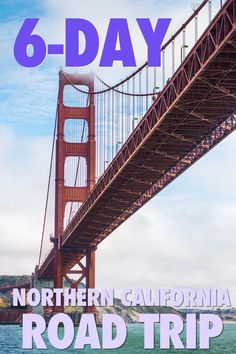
(65, 194)
(195, 111)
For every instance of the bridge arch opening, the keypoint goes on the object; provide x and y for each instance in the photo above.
(76, 130)
(75, 171)
(72, 97)
(70, 210)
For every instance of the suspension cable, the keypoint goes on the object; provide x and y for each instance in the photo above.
(48, 186)
(194, 14)
(109, 88)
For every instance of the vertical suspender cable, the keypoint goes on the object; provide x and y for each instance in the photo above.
(128, 112)
(112, 127)
(210, 10)
(173, 57)
(100, 132)
(133, 103)
(147, 86)
(122, 114)
(196, 28)
(155, 77)
(163, 68)
(104, 131)
(140, 98)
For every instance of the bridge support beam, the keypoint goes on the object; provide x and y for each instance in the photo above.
(65, 194)
(90, 265)
(90, 279)
(58, 268)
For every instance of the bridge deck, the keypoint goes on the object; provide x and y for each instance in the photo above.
(188, 118)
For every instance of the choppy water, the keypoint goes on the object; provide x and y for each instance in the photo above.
(11, 342)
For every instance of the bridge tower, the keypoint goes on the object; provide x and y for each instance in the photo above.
(65, 194)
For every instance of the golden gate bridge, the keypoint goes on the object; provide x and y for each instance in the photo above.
(117, 146)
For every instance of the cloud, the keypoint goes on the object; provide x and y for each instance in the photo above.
(24, 168)
(184, 237)
(28, 96)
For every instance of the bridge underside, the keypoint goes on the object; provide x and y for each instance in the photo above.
(193, 113)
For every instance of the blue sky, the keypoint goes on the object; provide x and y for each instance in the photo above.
(20, 87)
(11, 10)
(190, 225)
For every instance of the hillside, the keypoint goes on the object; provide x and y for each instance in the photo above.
(9, 280)
(131, 314)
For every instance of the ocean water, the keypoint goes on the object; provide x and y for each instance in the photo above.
(11, 342)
